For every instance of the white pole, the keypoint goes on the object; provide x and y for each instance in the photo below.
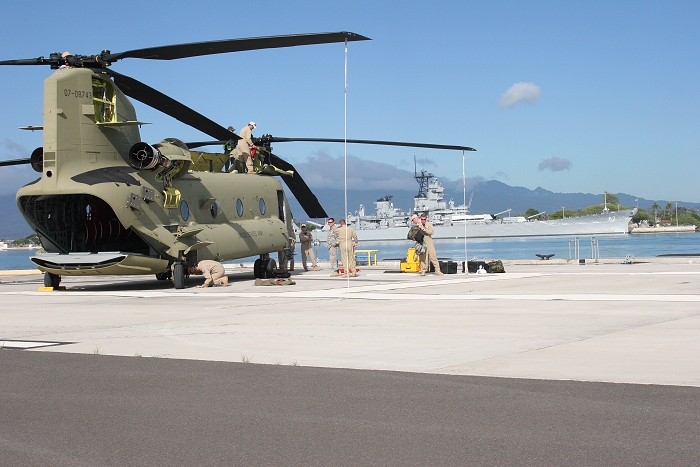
(345, 161)
(676, 214)
(464, 203)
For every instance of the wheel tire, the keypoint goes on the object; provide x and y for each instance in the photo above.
(164, 276)
(179, 276)
(258, 269)
(51, 280)
(270, 268)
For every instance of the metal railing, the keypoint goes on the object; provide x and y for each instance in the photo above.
(575, 249)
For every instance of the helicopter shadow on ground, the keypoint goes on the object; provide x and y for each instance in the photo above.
(140, 283)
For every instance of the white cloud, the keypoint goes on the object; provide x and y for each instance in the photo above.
(325, 171)
(12, 177)
(426, 162)
(555, 164)
(520, 92)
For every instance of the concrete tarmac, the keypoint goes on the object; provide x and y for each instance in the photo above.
(547, 364)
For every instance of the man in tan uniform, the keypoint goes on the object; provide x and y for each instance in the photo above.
(430, 256)
(347, 238)
(306, 240)
(332, 244)
(228, 149)
(245, 144)
(286, 256)
(213, 271)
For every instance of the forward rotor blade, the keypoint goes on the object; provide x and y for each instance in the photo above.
(301, 191)
(194, 49)
(14, 162)
(275, 139)
(169, 106)
(26, 61)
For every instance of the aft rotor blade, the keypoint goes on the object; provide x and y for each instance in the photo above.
(301, 191)
(14, 162)
(275, 139)
(194, 49)
(169, 106)
(199, 144)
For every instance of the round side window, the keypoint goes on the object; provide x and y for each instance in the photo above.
(184, 210)
(239, 207)
(215, 209)
(262, 206)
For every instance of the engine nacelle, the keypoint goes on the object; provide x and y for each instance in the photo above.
(37, 159)
(171, 154)
(143, 156)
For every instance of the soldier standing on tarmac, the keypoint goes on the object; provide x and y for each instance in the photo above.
(306, 240)
(347, 238)
(333, 244)
(430, 256)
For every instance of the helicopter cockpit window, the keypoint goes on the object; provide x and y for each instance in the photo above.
(262, 206)
(215, 209)
(184, 210)
(105, 101)
(239, 207)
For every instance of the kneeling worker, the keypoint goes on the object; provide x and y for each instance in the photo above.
(213, 271)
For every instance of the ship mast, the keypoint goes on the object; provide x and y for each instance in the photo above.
(422, 179)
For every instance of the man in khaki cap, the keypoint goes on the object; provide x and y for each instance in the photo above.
(245, 145)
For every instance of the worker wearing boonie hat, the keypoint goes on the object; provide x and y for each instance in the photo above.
(306, 239)
(245, 145)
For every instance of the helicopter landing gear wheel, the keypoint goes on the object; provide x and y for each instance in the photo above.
(179, 275)
(51, 280)
(258, 269)
(270, 268)
(264, 268)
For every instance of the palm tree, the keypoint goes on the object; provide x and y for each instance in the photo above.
(668, 210)
(654, 208)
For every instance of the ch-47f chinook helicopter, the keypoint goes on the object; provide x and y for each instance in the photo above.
(108, 203)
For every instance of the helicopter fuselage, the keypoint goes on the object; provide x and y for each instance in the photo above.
(98, 210)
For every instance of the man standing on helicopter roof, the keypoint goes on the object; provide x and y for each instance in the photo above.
(228, 150)
(245, 145)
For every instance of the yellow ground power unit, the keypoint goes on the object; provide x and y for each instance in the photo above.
(412, 263)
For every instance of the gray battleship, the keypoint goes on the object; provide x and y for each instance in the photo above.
(451, 221)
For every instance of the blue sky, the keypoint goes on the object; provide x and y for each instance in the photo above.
(569, 96)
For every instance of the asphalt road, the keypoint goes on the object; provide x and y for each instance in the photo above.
(63, 409)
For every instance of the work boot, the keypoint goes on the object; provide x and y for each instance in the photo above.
(223, 282)
(335, 274)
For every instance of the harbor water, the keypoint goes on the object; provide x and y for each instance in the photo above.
(609, 246)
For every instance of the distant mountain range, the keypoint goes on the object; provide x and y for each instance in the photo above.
(489, 197)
